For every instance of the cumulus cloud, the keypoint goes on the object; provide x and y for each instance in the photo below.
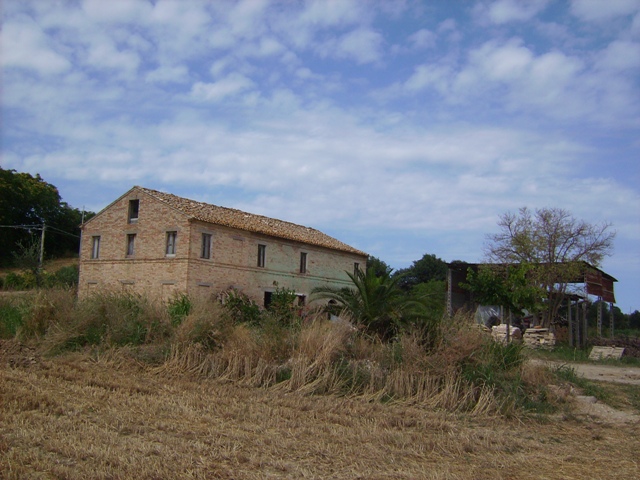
(232, 84)
(504, 11)
(25, 45)
(596, 10)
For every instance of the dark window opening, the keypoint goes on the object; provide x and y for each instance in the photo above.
(262, 255)
(131, 241)
(356, 268)
(303, 262)
(205, 251)
(134, 209)
(267, 299)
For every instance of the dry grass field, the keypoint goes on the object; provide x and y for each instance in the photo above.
(76, 416)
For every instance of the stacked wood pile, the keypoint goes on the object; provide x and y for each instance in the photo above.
(539, 338)
(499, 333)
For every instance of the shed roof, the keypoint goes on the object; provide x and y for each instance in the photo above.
(230, 217)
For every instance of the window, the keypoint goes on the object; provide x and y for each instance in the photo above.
(262, 255)
(356, 268)
(131, 240)
(171, 243)
(205, 251)
(134, 208)
(303, 262)
(95, 247)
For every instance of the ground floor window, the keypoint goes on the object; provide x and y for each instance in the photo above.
(131, 244)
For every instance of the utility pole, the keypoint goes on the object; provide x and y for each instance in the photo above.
(41, 259)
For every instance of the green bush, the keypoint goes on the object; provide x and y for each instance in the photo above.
(66, 276)
(241, 308)
(10, 318)
(14, 281)
(178, 308)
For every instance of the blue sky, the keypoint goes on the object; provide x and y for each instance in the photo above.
(399, 127)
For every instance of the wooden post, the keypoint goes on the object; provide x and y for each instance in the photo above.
(509, 326)
(600, 317)
(571, 339)
(584, 323)
(610, 320)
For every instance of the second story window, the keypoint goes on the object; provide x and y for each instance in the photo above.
(134, 208)
(262, 255)
(95, 247)
(205, 251)
(171, 243)
(303, 262)
(356, 268)
(131, 244)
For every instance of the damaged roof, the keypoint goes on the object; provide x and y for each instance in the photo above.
(230, 217)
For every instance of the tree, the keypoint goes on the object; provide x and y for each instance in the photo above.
(375, 302)
(428, 268)
(379, 267)
(555, 244)
(506, 285)
(30, 201)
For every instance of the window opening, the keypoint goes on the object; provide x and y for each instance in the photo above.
(171, 243)
(205, 251)
(134, 209)
(131, 241)
(267, 299)
(95, 247)
(262, 255)
(303, 262)
(356, 268)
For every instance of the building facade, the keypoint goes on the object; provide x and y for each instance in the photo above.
(159, 245)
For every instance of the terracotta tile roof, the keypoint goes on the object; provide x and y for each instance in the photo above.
(250, 222)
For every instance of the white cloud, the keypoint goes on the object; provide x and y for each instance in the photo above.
(232, 84)
(362, 45)
(25, 45)
(168, 74)
(119, 11)
(423, 38)
(620, 55)
(504, 11)
(599, 10)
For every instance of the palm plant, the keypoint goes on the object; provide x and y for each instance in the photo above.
(376, 301)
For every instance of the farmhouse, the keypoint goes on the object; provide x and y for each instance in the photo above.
(159, 244)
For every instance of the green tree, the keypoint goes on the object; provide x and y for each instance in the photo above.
(428, 268)
(376, 303)
(506, 285)
(26, 200)
(379, 267)
(555, 244)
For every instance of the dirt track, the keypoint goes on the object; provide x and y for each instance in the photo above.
(603, 373)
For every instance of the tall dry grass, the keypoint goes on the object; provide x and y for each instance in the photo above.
(456, 368)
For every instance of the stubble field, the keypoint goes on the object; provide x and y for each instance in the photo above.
(77, 417)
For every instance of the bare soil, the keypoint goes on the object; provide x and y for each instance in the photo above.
(78, 417)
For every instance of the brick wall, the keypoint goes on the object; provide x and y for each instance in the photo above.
(233, 262)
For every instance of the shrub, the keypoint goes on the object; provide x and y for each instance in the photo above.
(10, 318)
(115, 319)
(14, 281)
(66, 276)
(240, 307)
(178, 308)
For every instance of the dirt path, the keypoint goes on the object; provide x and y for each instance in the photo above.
(603, 373)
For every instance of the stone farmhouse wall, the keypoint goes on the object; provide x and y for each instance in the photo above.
(233, 262)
